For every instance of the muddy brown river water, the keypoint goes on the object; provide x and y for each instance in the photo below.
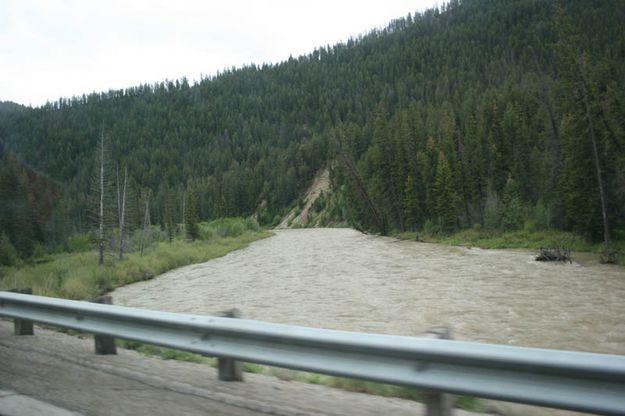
(342, 279)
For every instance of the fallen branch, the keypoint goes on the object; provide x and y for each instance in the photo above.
(610, 257)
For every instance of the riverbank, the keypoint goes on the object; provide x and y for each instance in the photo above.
(78, 276)
(520, 239)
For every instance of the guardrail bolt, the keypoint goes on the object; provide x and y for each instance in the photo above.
(229, 369)
(23, 326)
(436, 402)
(104, 344)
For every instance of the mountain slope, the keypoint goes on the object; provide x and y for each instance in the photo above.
(452, 118)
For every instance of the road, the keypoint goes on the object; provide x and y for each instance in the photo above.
(61, 371)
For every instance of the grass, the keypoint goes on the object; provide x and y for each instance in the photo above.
(525, 239)
(490, 239)
(78, 276)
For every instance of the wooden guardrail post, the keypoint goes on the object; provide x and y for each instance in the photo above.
(436, 402)
(22, 326)
(104, 344)
(229, 369)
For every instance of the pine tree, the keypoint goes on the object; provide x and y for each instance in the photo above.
(191, 215)
(146, 222)
(512, 206)
(410, 204)
(446, 196)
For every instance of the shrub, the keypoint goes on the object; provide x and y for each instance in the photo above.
(39, 252)
(75, 288)
(430, 228)
(492, 211)
(79, 243)
(539, 217)
(8, 254)
(230, 227)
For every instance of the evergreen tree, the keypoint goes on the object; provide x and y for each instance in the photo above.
(446, 196)
(410, 204)
(168, 214)
(512, 206)
(191, 215)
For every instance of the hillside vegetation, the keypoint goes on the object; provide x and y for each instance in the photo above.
(481, 114)
(75, 274)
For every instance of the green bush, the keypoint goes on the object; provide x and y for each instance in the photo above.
(492, 211)
(430, 228)
(39, 252)
(539, 217)
(229, 227)
(8, 254)
(251, 224)
(276, 220)
(79, 243)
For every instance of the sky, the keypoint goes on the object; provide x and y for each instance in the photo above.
(63, 48)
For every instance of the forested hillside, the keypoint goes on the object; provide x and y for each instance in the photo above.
(494, 114)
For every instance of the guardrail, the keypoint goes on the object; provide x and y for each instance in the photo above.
(578, 381)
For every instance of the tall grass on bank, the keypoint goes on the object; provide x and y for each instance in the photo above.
(528, 239)
(490, 239)
(78, 276)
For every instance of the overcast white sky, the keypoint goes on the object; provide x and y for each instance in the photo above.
(60, 48)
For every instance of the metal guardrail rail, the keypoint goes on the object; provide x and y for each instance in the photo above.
(562, 379)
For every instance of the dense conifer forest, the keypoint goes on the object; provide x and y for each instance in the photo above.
(480, 113)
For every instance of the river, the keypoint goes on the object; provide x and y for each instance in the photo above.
(342, 279)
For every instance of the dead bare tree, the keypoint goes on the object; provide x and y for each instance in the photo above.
(576, 77)
(146, 222)
(121, 210)
(101, 227)
(360, 187)
(593, 140)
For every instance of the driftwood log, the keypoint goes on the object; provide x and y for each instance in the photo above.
(610, 257)
(554, 254)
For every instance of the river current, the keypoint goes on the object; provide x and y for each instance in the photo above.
(342, 279)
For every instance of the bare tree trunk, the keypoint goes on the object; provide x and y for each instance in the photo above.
(593, 139)
(184, 218)
(119, 201)
(146, 222)
(555, 136)
(122, 214)
(595, 151)
(101, 228)
(574, 69)
(360, 186)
